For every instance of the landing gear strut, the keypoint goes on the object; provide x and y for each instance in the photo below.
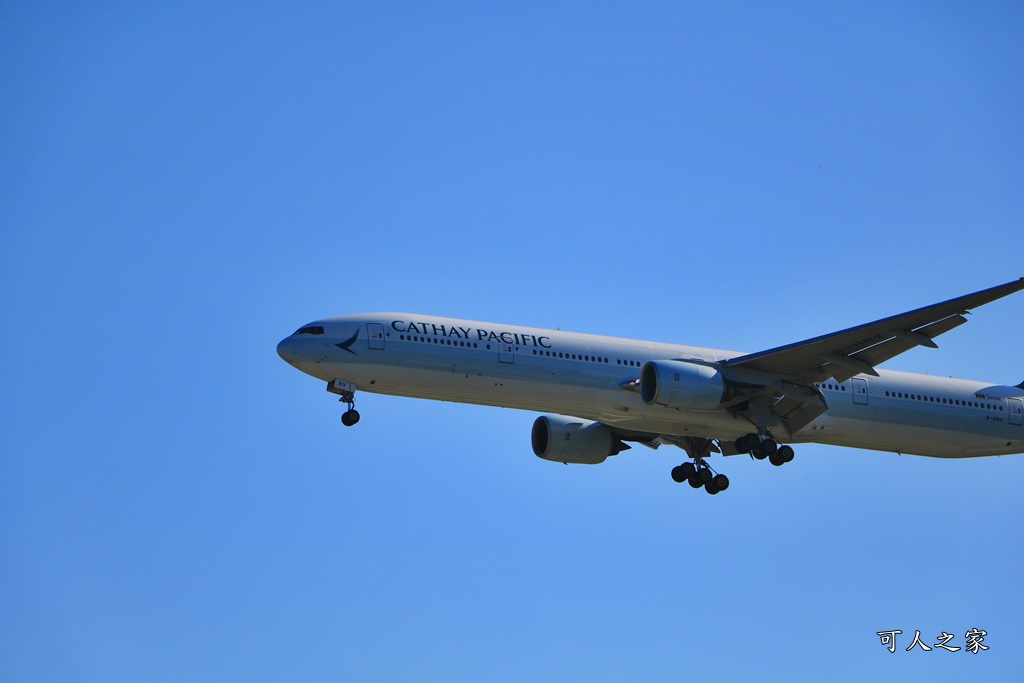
(347, 393)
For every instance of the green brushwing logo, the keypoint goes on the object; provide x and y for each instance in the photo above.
(347, 344)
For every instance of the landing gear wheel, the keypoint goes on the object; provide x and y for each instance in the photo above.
(349, 417)
(786, 453)
(776, 459)
(694, 481)
(742, 444)
(770, 446)
(711, 487)
(683, 472)
(721, 481)
(758, 452)
(705, 475)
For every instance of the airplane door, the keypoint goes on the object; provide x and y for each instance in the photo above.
(506, 353)
(860, 391)
(1016, 411)
(375, 336)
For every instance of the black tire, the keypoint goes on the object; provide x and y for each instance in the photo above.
(721, 481)
(677, 474)
(705, 475)
(689, 469)
(695, 481)
(349, 418)
(758, 452)
(711, 487)
(776, 460)
(770, 446)
(786, 453)
(742, 445)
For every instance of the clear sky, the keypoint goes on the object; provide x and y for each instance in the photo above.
(182, 185)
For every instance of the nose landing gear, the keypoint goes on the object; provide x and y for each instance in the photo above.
(347, 393)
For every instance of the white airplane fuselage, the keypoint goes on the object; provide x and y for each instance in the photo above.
(596, 378)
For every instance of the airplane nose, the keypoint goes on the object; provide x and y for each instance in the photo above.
(286, 349)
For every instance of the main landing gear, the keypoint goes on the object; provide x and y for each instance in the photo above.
(347, 393)
(761, 446)
(698, 474)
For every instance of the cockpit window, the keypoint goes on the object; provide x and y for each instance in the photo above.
(310, 329)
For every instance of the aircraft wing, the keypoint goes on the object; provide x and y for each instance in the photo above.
(857, 350)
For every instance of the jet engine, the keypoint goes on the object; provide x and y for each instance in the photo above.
(681, 385)
(573, 440)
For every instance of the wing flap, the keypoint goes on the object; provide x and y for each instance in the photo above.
(879, 353)
(794, 414)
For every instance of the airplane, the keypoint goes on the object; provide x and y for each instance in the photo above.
(601, 393)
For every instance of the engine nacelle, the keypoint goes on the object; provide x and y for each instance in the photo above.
(681, 385)
(573, 440)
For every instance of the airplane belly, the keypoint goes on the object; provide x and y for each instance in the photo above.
(931, 440)
(609, 404)
(462, 385)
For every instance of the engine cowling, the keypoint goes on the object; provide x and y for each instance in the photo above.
(573, 440)
(681, 385)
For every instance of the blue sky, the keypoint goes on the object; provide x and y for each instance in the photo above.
(183, 185)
